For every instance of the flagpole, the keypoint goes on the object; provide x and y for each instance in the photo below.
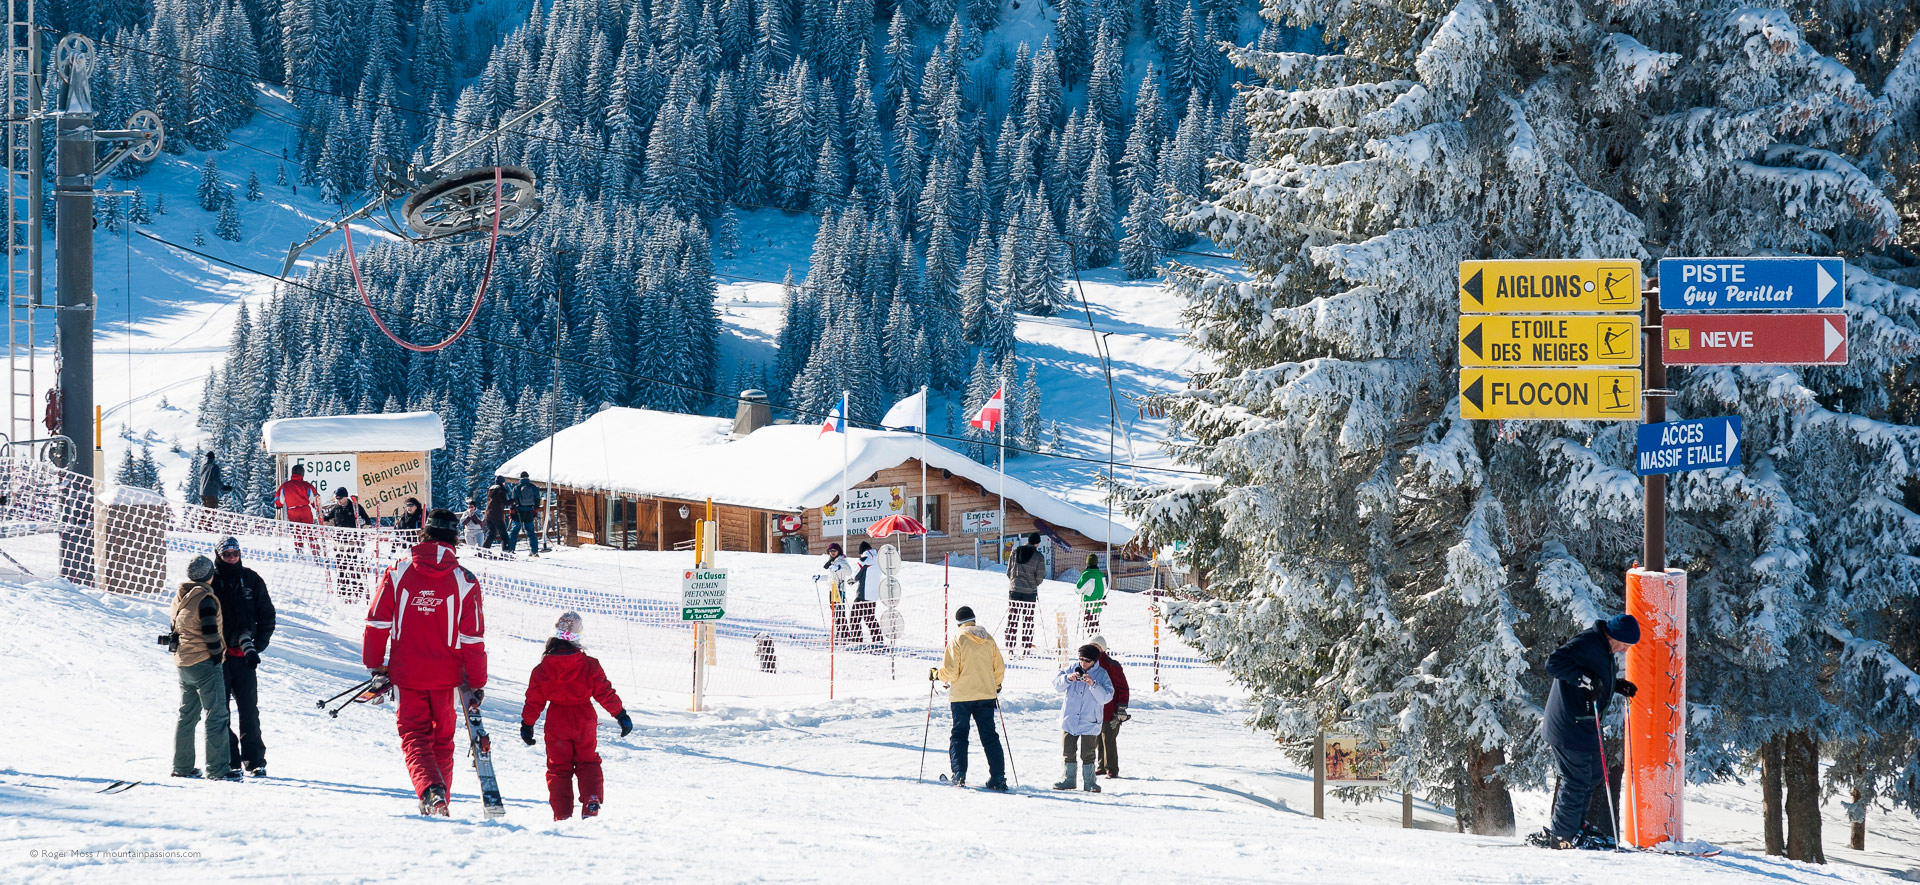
(846, 430)
(1002, 423)
(923, 473)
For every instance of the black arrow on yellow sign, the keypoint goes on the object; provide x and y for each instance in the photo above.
(1472, 394)
(1472, 341)
(1472, 287)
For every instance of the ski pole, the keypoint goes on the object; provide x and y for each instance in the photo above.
(1006, 740)
(926, 732)
(356, 687)
(1612, 825)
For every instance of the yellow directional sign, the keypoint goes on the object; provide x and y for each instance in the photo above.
(1565, 394)
(1570, 285)
(1521, 339)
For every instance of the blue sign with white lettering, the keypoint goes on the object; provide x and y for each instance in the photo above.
(1687, 445)
(1750, 284)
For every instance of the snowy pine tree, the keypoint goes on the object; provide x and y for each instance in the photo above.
(1373, 561)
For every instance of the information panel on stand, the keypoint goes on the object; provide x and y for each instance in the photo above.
(1550, 285)
(1736, 284)
(1563, 394)
(1549, 340)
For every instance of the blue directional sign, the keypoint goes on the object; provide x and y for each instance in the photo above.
(1688, 445)
(1751, 284)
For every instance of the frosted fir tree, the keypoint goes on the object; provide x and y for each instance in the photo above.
(227, 226)
(1375, 562)
(209, 190)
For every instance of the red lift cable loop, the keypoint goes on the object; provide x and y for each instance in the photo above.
(493, 246)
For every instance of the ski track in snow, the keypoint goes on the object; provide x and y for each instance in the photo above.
(782, 790)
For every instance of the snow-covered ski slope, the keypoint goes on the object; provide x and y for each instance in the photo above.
(793, 789)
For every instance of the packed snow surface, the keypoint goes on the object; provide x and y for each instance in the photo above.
(788, 789)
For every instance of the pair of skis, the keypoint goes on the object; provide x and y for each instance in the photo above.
(480, 746)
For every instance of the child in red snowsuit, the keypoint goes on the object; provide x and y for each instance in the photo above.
(568, 679)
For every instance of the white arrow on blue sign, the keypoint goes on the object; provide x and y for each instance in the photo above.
(1700, 444)
(1750, 284)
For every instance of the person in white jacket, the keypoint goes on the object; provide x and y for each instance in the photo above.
(1088, 689)
(838, 572)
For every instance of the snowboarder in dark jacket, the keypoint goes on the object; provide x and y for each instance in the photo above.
(496, 513)
(248, 627)
(1584, 683)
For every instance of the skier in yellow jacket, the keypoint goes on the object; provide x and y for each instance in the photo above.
(974, 671)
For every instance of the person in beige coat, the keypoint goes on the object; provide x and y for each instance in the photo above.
(974, 671)
(198, 645)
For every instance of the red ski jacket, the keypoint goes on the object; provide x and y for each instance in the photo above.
(569, 681)
(425, 624)
(296, 496)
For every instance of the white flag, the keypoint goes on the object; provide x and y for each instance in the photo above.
(907, 414)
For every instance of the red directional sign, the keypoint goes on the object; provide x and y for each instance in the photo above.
(1754, 339)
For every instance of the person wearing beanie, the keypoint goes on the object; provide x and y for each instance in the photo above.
(1025, 570)
(1107, 760)
(564, 684)
(247, 623)
(838, 573)
(426, 634)
(1087, 690)
(1584, 682)
(973, 671)
(496, 514)
(864, 623)
(1093, 600)
(198, 643)
(297, 500)
(526, 511)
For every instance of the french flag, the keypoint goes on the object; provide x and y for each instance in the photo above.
(834, 423)
(988, 418)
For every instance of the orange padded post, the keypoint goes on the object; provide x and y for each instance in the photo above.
(1656, 739)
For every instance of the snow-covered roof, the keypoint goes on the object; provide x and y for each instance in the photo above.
(400, 432)
(789, 467)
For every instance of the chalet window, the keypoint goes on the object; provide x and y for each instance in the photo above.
(933, 516)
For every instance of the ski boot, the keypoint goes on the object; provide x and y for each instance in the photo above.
(997, 786)
(191, 772)
(433, 803)
(959, 780)
(1546, 838)
(1593, 838)
(257, 771)
(590, 809)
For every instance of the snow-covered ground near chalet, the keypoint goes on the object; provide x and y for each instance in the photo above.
(792, 789)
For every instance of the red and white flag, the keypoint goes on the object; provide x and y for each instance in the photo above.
(989, 416)
(833, 424)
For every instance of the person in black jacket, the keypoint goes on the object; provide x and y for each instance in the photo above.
(248, 627)
(410, 515)
(1583, 684)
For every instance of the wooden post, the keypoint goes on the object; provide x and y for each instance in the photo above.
(1319, 774)
(1406, 811)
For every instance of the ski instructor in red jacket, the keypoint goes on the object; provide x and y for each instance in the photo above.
(425, 632)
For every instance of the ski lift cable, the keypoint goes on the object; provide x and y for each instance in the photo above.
(808, 414)
(1004, 224)
(493, 249)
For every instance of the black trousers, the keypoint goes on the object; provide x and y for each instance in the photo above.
(1579, 776)
(243, 691)
(978, 713)
(496, 533)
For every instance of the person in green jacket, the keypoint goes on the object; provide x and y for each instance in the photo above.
(1092, 599)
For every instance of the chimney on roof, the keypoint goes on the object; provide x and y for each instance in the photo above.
(752, 414)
